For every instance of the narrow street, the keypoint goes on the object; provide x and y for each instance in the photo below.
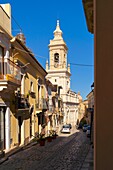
(67, 152)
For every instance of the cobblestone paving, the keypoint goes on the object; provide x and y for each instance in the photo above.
(63, 153)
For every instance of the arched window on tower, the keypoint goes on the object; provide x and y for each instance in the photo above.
(56, 58)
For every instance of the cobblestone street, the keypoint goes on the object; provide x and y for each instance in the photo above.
(67, 152)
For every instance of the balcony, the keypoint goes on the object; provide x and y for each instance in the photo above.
(32, 94)
(10, 77)
(51, 110)
(22, 104)
(42, 104)
(71, 98)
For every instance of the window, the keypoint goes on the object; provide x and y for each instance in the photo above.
(55, 80)
(58, 103)
(31, 86)
(39, 119)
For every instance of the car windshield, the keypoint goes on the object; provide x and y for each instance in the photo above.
(66, 126)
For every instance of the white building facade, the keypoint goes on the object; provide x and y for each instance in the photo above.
(59, 74)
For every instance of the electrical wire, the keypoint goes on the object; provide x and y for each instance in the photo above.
(16, 23)
(84, 65)
(29, 52)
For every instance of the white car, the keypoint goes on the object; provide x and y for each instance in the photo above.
(65, 129)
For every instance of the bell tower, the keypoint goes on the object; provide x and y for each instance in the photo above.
(57, 68)
(59, 74)
(57, 50)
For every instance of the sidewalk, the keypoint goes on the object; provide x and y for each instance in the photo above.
(16, 150)
(88, 163)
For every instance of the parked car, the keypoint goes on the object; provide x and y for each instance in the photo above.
(84, 128)
(88, 132)
(69, 125)
(66, 129)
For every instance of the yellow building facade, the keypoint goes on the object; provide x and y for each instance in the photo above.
(23, 92)
(31, 96)
(10, 79)
(82, 111)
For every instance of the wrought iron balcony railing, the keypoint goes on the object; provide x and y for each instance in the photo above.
(9, 71)
(22, 102)
(42, 104)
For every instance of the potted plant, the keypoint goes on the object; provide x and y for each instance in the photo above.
(54, 134)
(41, 139)
(49, 137)
(36, 137)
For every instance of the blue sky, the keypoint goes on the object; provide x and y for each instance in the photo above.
(37, 19)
